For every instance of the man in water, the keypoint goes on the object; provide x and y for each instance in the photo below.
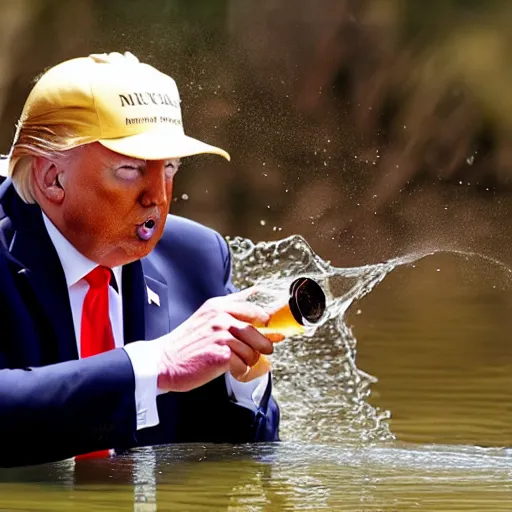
(92, 266)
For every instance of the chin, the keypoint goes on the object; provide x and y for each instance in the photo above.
(144, 247)
(148, 247)
(126, 255)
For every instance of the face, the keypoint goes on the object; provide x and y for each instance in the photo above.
(112, 208)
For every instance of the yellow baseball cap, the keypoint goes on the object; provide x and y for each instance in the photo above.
(125, 105)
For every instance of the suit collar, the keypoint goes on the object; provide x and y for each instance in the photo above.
(158, 320)
(40, 266)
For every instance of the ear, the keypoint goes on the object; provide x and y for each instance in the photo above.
(48, 179)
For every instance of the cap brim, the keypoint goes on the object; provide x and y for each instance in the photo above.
(153, 145)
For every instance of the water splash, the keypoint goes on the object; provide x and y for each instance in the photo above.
(322, 393)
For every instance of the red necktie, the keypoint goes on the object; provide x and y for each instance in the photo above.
(96, 331)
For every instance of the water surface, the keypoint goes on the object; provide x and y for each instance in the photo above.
(399, 401)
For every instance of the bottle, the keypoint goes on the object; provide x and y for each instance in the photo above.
(305, 307)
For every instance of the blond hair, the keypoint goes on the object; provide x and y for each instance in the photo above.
(36, 141)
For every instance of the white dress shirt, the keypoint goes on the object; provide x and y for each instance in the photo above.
(144, 356)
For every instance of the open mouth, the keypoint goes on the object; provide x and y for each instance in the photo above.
(146, 230)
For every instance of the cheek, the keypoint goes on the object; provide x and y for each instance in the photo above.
(90, 196)
(116, 204)
(100, 211)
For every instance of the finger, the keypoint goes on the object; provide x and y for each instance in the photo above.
(238, 368)
(250, 336)
(247, 312)
(274, 337)
(246, 353)
(244, 294)
(260, 368)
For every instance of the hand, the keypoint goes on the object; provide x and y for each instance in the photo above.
(217, 338)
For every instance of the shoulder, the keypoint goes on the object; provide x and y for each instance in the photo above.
(192, 256)
(190, 235)
(191, 243)
(178, 227)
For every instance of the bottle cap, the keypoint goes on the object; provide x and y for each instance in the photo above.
(307, 301)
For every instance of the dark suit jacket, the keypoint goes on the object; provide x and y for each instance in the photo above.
(53, 405)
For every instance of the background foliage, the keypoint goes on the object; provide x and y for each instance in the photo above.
(371, 127)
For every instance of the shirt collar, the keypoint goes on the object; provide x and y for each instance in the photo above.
(75, 265)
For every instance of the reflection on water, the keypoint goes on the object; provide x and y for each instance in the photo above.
(425, 426)
(286, 476)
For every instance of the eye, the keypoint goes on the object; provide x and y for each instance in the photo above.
(128, 172)
(171, 167)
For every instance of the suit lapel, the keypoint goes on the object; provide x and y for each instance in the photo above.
(157, 309)
(134, 300)
(144, 316)
(40, 268)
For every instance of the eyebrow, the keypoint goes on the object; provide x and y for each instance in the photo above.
(130, 161)
(142, 163)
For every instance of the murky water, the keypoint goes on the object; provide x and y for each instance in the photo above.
(399, 401)
(289, 476)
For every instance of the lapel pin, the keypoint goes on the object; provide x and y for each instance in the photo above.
(153, 297)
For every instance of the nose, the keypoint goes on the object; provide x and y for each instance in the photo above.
(157, 187)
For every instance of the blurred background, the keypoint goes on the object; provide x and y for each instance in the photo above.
(368, 126)
(373, 128)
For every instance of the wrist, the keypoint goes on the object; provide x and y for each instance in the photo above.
(165, 365)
